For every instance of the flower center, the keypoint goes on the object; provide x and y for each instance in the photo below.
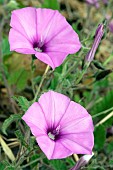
(38, 47)
(53, 134)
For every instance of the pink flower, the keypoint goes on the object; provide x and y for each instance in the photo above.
(93, 2)
(61, 127)
(43, 32)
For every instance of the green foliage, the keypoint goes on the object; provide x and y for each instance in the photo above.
(5, 47)
(104, 104)
(19, 79)
(111, 163)
(109, 147)
(1, 2)
(2, 167)
(52, 4)
(58, 164)
(12, 5)
(102, 74)
(7, 122)
(37, 79)
(99, 137)
(33, 158)
(22, 102)
(54, 81)
(20, 136)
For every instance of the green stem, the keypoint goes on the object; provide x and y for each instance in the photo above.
(105, 119)
(30, 163)
(67, 73)
(82, 73)
(40, 85)
(104, 112)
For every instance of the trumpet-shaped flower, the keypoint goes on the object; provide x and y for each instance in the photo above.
(44, 33)
(61, 127)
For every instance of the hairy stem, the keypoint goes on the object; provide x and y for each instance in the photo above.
(40, 85)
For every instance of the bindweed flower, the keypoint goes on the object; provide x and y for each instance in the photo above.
(82, 162)
(61, 127)
(93, 2)
(98, 36)
(43, 32)
(105, 2)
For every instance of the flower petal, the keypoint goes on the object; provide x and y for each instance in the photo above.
(44, 22)
(56, 33)
(54, 106)
(20, 43)
(76, 120)
(45, 58)
(53, 59)
(35, 119)
(80, 143)
(57, 58)
(24, 21)
(53, 150)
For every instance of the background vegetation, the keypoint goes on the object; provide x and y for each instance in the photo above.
(20, 76)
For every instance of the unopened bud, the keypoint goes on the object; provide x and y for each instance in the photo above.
(82, 161)
(98, 36)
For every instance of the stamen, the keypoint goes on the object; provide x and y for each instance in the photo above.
(37, 49)
(51, 136)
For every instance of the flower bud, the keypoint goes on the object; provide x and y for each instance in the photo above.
(82, 161)
(98, 36)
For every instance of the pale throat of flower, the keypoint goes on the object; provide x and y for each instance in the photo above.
(54, 133)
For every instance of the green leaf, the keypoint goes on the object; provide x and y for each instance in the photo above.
(111, 162)
(52, 4)
(22, 102)
(20, 136)
(19, 79)
(33, 158)
(12, 5)
(8, 121)
(109, 147)
(99, 137)
(1, 1)
(55, 80)
(37, 79)
(2, 167)
(58, 164)
(5, 47)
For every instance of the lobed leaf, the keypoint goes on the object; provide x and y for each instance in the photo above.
(22, 102)
(8, 121)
